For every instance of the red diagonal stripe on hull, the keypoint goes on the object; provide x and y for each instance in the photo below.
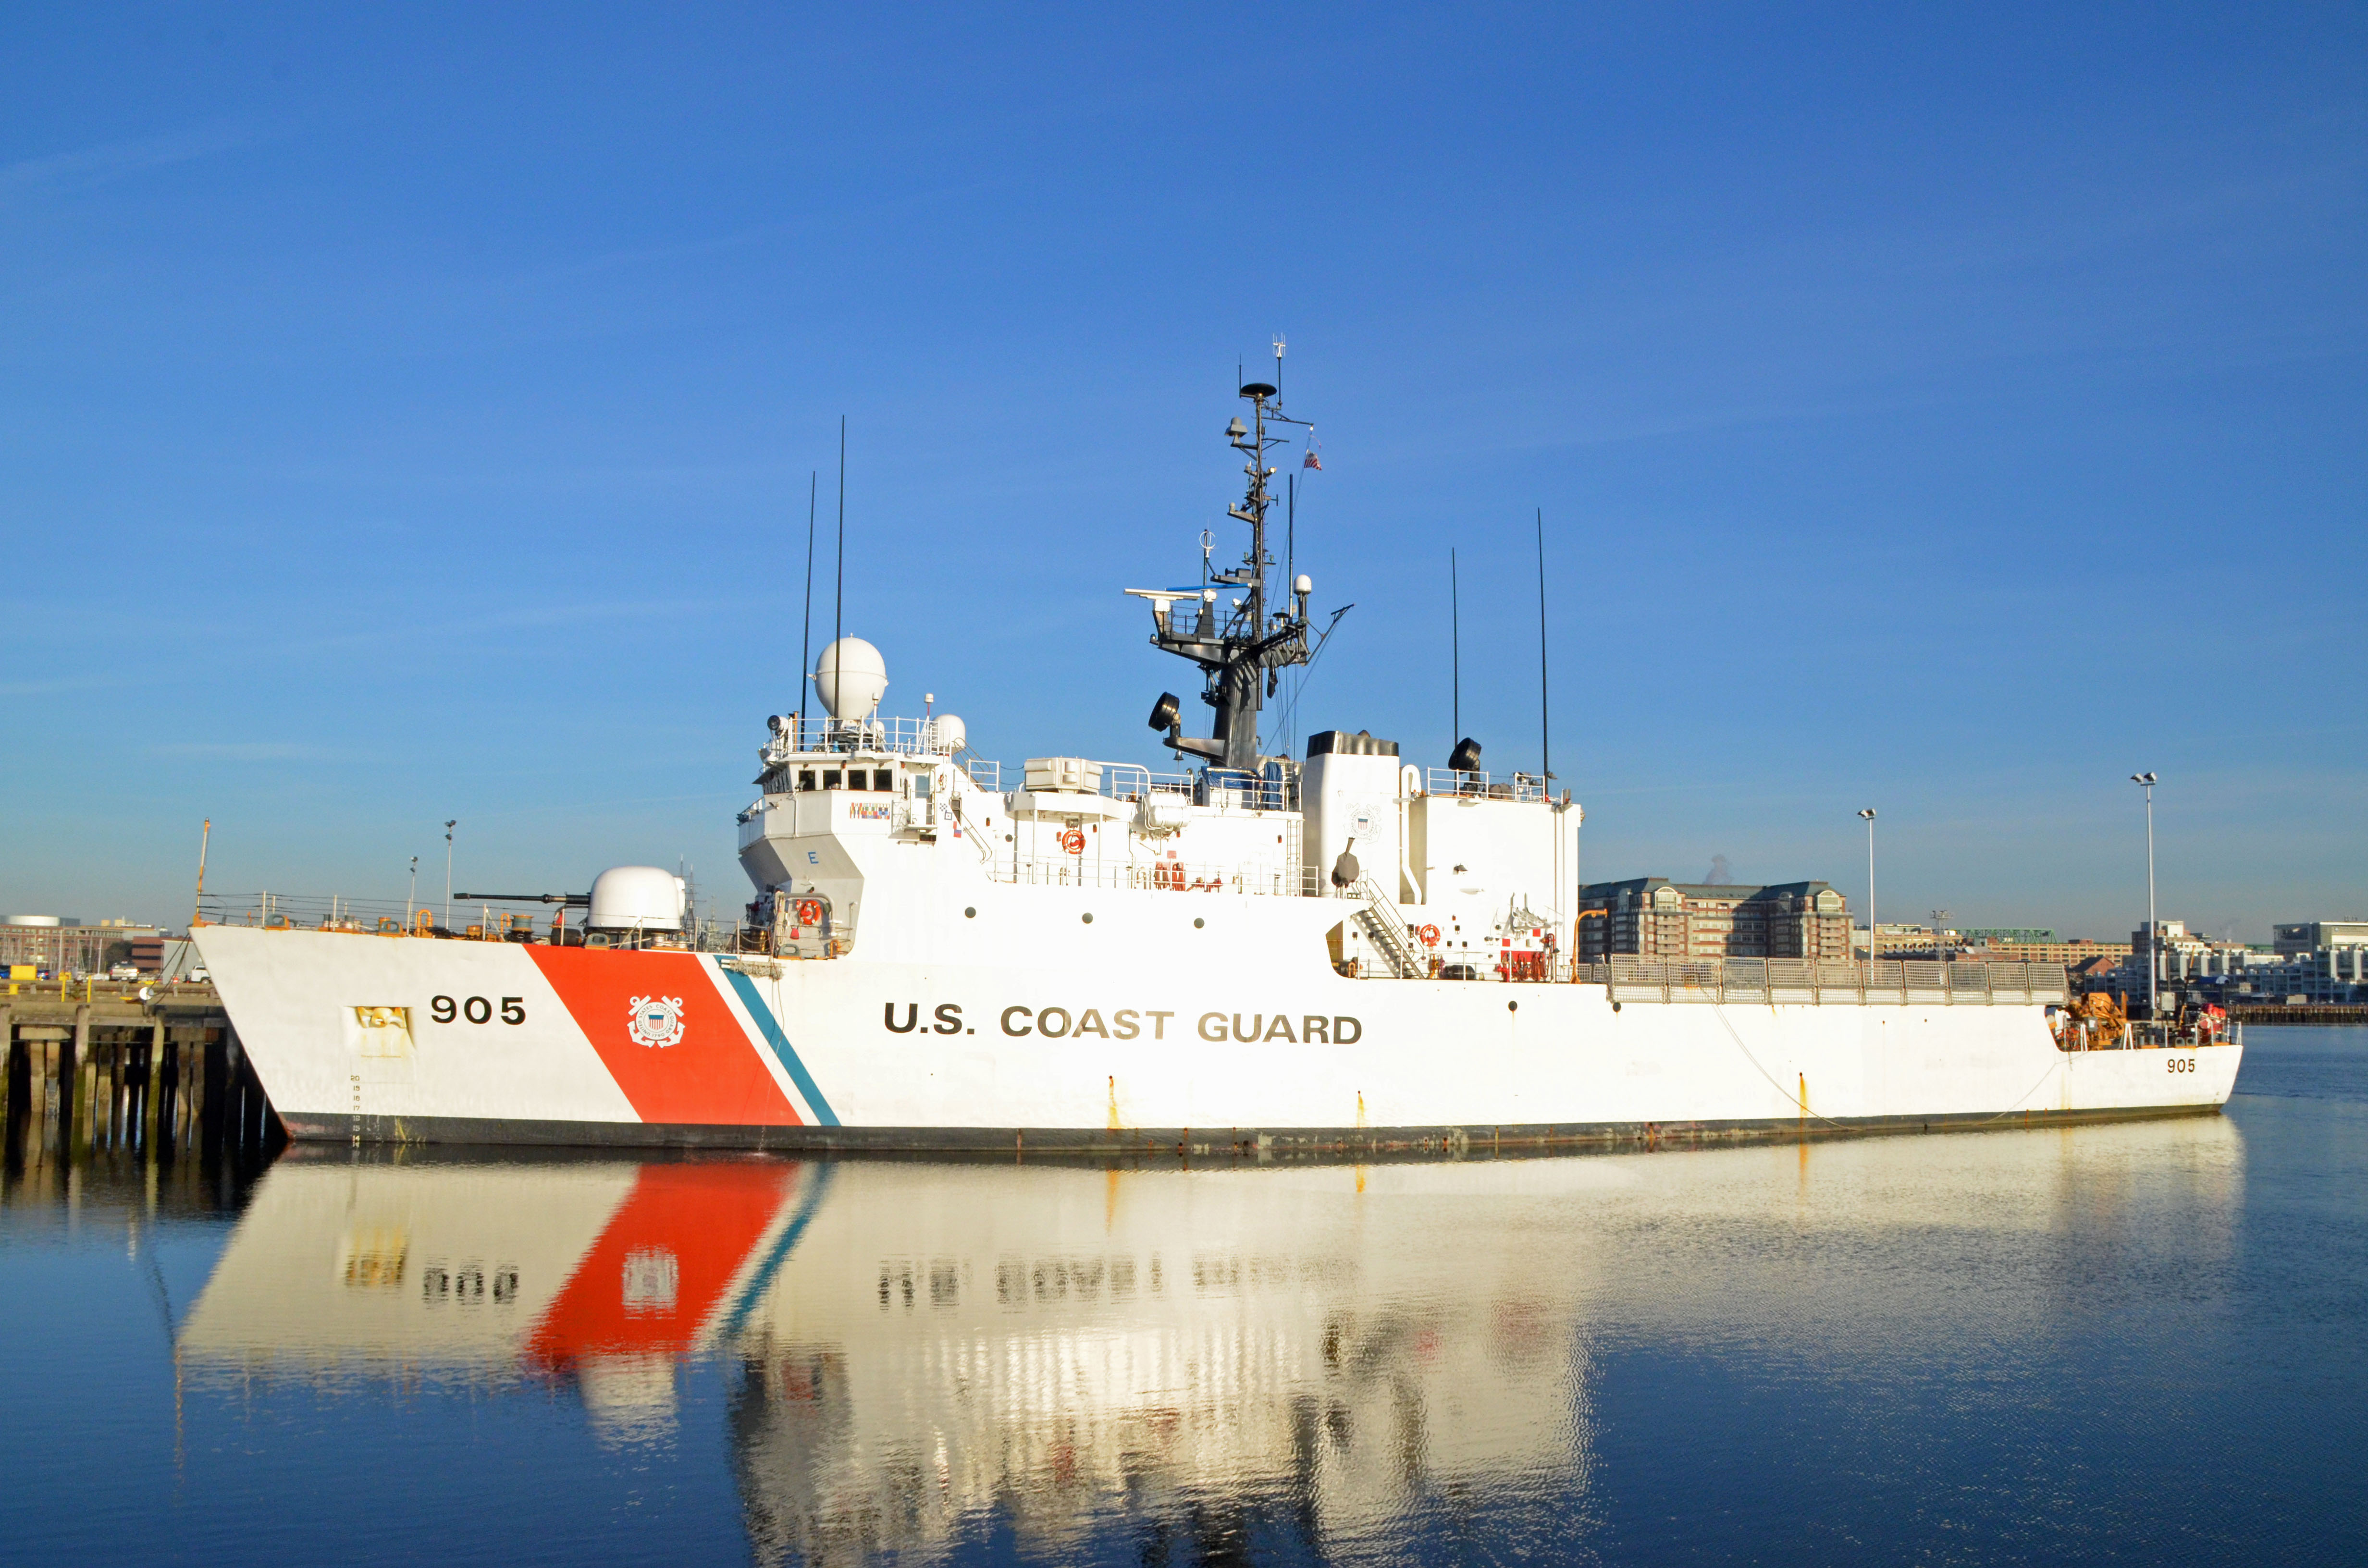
(661, 1266)
(711, 1075)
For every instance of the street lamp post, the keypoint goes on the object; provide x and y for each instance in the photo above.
(412, 898)
(1872, 947)
(2154, 929)
(447, 872)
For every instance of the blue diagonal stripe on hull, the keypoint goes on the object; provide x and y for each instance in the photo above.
(771, 1030)
(762, 1279)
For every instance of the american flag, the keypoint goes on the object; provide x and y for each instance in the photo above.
(1312, 460)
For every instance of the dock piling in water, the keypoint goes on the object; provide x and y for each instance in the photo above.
(117, 1078)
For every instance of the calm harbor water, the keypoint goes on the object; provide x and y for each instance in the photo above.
(2145, 1343)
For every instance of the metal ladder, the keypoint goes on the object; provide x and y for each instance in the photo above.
(1380, 922)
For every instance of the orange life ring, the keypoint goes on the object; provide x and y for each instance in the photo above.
(1074, 841)
(809, 912)
(1429, 935)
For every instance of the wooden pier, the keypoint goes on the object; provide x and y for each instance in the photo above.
(97, 1071)
(2298, 1013)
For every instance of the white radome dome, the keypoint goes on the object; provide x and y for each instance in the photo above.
(636, 898)
(850, 676)
(947, 734)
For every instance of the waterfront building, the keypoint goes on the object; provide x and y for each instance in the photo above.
(2310, 961)
(2318, 961)
(1898, 941)
(1655, 917)
(2076, 950)
(2300, 938)
(57, 945)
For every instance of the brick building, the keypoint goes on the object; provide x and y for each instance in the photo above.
(1655, 917)
(2079, 950)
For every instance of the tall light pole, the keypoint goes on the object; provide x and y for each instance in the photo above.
(1872, 949)
(447, 872)
(413, 899)
(2154, 930)
(1939, 918)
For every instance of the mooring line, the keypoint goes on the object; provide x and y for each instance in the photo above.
(1720, 1008)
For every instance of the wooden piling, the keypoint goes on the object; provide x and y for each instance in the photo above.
(152, 1070)
(67, 1075)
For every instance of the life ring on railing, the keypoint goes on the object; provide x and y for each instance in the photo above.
(1429, 935)
(1074, 841)
(809, 912)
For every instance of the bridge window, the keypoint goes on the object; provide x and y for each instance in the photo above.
(830, 778)
(884, 779)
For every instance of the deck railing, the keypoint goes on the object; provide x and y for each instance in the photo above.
(1452, 782)
(1806, 980)
(1165, 876)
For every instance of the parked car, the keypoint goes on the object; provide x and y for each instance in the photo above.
(124, 972)
(199, 976)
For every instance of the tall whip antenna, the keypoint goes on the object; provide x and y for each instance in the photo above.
(805, 638)
(1289, 718)
(1455, 652)
(838, 611)
(1546, 732)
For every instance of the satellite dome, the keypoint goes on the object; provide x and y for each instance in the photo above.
(636, 898)
(850, 676)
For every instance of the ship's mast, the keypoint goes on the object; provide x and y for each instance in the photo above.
(1239, 652)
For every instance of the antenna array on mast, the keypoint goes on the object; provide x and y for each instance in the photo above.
(1242, 648)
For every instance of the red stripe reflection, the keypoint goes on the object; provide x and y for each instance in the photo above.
(660, 1269)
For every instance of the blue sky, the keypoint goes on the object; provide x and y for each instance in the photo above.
(408, 414)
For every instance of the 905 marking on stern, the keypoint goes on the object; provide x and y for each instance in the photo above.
(2182, 1064)
(477, 1010)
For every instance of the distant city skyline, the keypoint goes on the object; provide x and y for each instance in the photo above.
(409, 415)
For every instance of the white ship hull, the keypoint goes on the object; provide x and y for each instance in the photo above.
(1341, 953)
(1114, 1048)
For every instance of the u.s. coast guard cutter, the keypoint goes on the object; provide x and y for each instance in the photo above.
(1337, 952)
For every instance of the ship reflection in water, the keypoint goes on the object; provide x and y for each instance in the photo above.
(1334, 1359)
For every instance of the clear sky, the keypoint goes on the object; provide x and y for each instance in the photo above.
(407, 412)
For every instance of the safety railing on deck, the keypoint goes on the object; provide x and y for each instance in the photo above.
(876, 737)
(1165, 876)
(1804, 980)
(1449, 781)
(911, 738)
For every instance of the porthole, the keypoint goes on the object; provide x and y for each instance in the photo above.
(1198, 923)
(970, 915)
(1088, 919)
(1512, 1006)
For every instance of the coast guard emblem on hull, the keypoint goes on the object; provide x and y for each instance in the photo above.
(656, 1020)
